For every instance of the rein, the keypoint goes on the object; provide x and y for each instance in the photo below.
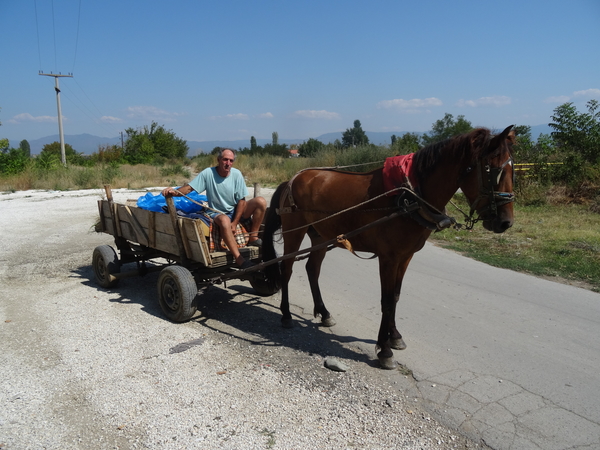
(488, 179)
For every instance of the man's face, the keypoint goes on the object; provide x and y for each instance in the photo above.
(225, 163)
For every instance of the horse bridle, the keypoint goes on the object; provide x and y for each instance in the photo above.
(489, 178)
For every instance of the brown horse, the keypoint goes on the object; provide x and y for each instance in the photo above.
(326, 203)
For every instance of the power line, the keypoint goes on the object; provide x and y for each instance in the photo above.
(54, 33)
(77, 36)
(37, 30)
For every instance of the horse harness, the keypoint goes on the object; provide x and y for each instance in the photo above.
(409, 202)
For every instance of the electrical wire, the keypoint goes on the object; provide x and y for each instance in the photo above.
(77, 37)
(37, 30)
(54, 33)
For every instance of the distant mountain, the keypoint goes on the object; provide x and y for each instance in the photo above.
(88, 144)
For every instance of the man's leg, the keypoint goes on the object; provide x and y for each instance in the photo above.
(224, 224)
(255, 209)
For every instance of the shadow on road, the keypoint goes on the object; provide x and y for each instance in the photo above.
(238, 312)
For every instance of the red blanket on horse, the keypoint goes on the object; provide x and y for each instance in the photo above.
(398, 171)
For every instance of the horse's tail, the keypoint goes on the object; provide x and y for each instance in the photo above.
(272, 224)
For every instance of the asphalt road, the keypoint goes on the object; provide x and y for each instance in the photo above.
(505, 357)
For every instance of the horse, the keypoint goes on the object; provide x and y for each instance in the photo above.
(392, 224)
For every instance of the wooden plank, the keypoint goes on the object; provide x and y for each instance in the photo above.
(140, 233)
(184, 239)
(152, 230)
(204, 247)
(116, 221)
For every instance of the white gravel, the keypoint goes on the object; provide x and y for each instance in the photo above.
(83, 367)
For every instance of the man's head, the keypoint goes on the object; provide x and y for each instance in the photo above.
(225, 160)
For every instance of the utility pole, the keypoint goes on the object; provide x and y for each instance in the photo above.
(63, 156)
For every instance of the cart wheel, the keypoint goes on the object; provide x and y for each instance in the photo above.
(176, 293)
(261, 285)
(105, 263)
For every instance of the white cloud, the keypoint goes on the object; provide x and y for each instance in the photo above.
(496, 100)
(587, 93)
(238, 116)
(26, 117)
(110, 119)
(266, 115)
(151, 113)
(313, 114)
(410, 105)
(558, 99)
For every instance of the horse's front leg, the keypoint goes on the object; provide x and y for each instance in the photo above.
(313, 270)
(391, 274)
(291, 244)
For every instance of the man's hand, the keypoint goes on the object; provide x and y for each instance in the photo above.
(169, 192)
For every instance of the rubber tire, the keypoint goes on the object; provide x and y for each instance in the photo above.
(177, 290)
(105, 262)
(261, 287)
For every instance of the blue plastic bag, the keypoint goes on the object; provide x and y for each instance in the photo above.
(156, 202)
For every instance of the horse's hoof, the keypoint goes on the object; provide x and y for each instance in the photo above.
(398, 344)
(328, 322)
(387, 363)
(287, 323)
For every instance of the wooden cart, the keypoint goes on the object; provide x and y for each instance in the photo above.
(176, 246)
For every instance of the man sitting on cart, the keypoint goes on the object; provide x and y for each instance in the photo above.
(226, 191)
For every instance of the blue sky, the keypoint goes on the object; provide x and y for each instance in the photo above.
(233, 69)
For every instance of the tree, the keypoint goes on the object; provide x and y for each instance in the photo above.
(354, 136)
(310, 148)
(4, 143)
(148, 144)
(24, 145)
(52, 151)
(407, 143)
(446, 128)
(578, 132)
(275, 136)
(253, 145)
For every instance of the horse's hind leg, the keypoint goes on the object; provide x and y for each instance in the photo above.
(313, 270)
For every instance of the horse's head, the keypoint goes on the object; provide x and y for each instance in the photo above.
(487, 181)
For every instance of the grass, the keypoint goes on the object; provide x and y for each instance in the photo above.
(550, 241)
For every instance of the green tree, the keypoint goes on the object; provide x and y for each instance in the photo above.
(49, 151)
(355, 136)
(310, 148)
(253, 145)
(149, 144)
(578, 132)
(13, 162)
(4, 143)
(24, 145)
(446, 128)
(275, 136)
(407, 143)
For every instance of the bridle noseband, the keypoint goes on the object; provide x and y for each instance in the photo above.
(489, 178)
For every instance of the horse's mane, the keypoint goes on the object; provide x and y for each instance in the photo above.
(468, 146)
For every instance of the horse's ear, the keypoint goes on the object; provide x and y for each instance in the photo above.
(507, 134)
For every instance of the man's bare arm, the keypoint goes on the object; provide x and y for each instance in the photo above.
(170, 191)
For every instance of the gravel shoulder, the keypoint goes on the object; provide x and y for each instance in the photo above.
(84, 367)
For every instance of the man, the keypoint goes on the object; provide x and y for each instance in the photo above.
(226, 191)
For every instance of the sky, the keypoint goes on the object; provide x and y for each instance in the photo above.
(232, 69)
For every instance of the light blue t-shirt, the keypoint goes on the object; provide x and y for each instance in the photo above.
(223, 193)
